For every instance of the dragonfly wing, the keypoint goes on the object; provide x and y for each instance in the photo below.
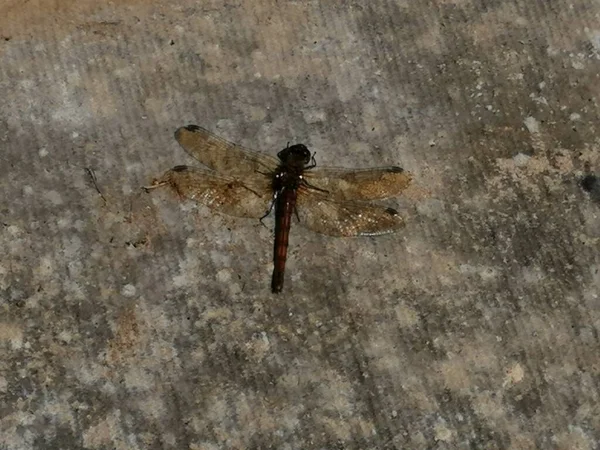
(227, 195)
(223, 156)
(320, 213)
(362, 184)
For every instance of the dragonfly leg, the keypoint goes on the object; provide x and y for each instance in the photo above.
(271, 206)
(313, 162)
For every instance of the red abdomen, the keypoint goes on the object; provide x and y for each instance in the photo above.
(284, 210)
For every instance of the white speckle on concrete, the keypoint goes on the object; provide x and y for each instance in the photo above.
(64, 222)
(577, 64)
(431, 207)
(43, 152)
(224, 275)
(532, 125)
(27, 190)
(406, 316)
(574, 117)
(485, 273)
(138, 378)
(191, 242)
(314, 115)
(71, 247)
(514, 375)
(220, 258)
(11, 333)
(14, 230)
(128, 290)
(516, 76)
(442, 432)
(188, 270)
(521, 159)
(27, 84)
(594, 37)
(4, 282)
(54, 198)
(65, 336)
(75, 268)
(539, 99)
(254, 113)
(74, 289)
(80, 225)
(259, 345)
(533, 274)
(108, 388)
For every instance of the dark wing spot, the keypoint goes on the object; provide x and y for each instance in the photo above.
(396, 169)
(179, 168)
(187, 127)
(391, 211)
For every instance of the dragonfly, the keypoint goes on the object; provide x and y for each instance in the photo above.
(243, 183)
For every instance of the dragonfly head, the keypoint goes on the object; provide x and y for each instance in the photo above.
(295, 154)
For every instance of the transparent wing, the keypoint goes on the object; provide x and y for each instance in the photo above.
(223, 156)
(359, 184)
(318, 212)
(227, 195)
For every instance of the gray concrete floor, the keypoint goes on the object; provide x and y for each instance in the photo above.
(138, 321)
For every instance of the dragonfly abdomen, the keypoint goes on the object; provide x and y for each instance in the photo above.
(284, 210)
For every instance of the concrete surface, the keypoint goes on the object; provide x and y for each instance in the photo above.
(136, 321)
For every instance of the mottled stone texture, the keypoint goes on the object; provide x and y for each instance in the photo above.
(138, 321)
